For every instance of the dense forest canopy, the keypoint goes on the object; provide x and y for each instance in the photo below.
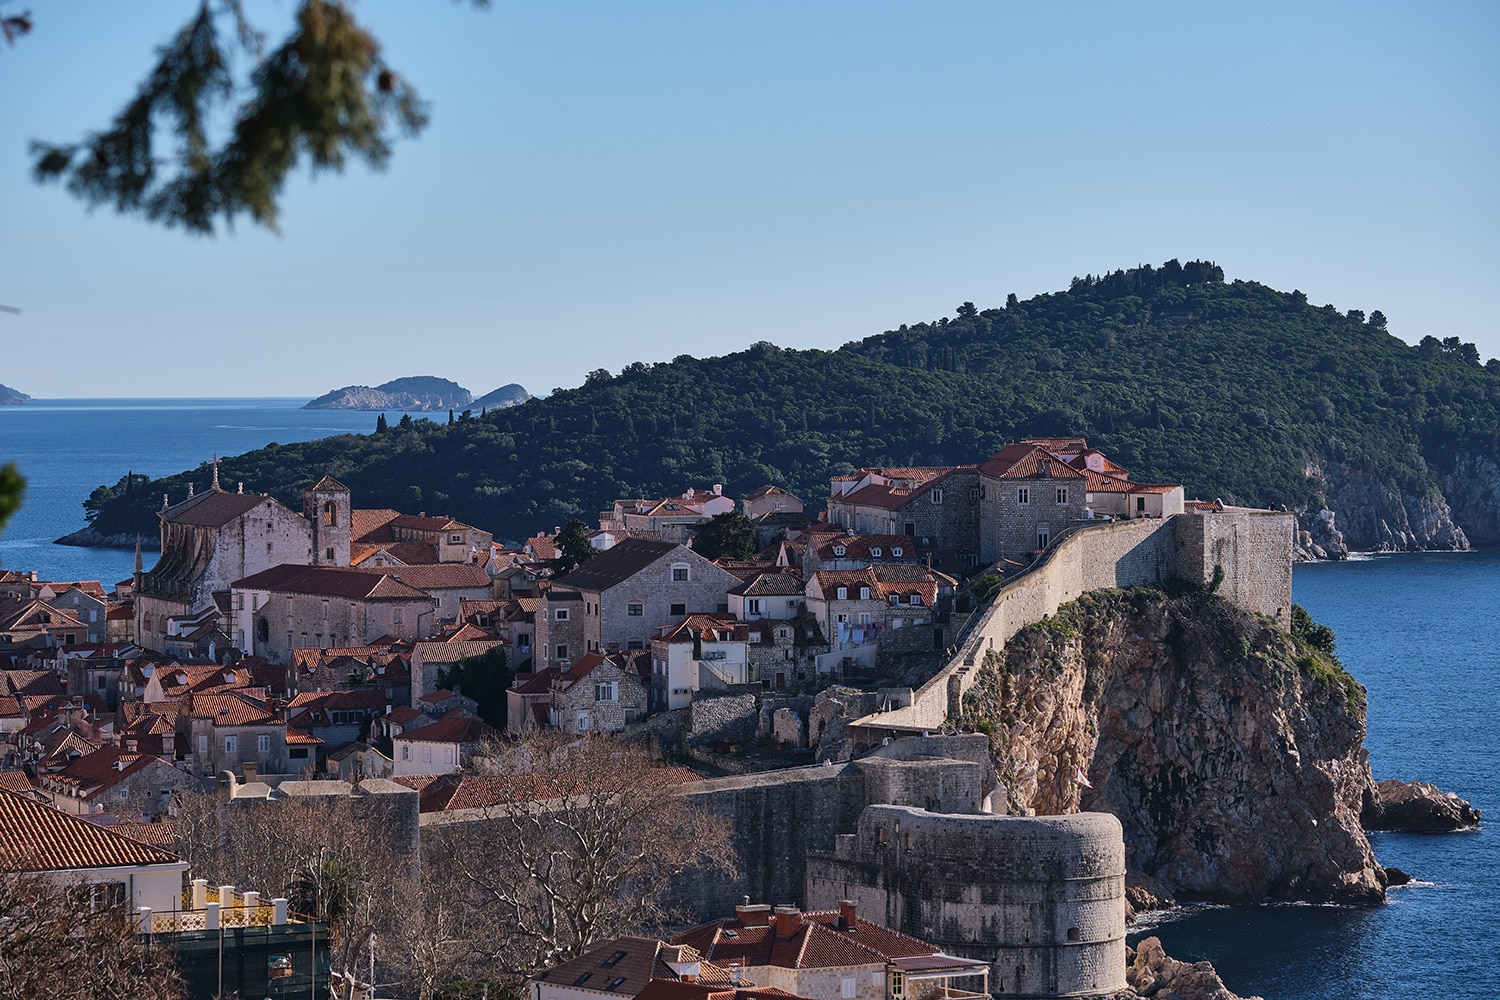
(1229, 388)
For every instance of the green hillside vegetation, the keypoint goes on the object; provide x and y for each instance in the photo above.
(1228, 388)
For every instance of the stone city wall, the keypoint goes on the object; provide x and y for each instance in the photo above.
(1253, 549)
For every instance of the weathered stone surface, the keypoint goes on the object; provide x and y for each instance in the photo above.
(1236, 772)
(1373, 516)
(1414, 807)
(723, 717)
(1318, 536)
(1154, 973)
(1143, 893)
(1472, 487)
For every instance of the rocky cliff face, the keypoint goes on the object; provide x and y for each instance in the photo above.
(9, 396)
(1231, 756)
(1361, 513)
(1472, 488)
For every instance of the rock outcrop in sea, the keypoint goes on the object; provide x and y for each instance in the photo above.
(11, 397)
(1231, 754)
(1153, 973)
(1414, 807)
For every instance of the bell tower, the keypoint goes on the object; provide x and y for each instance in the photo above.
(326, 504)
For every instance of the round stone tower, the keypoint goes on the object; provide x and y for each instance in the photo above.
(1040, 898)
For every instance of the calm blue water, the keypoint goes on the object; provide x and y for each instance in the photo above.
(1416, 630)
(66, 447)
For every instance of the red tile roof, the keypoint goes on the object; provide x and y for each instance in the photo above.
(37, 837)
(452, 729)
(232, 709)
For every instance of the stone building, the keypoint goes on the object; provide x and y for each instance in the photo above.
(700, 652)
(670, 519)
(770, 500)
(227, 732)
(292, 606)
(601, 693)
(618, 599)
(210, 540)
(136, 786)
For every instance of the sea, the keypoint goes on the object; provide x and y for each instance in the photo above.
(1416, 630)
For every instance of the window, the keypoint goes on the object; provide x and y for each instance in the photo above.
(562, 651)
(1140, 505)
(203, 744)
(1023, 495)
(559, 614)
(297, 753)
(838, 550)
(678, 610)
(406, 751)
(911, 529)
(396, 616)
(124, 793)
(864, 593)
(937, 497)
(864, 617)
(916, 600)
(447, 755)
(103, 682)
(330, 556)
(635, 610)
(895, 599)
(614, 960)
(1043, 536)
(752, 606)
(635, 644)
(607, 692)
(875, 552)
(679, 573)
(848, 988)
(427, 755)
(1062, 494)
(843, 593)
(231, 744)
(330, 514)
(456, 539)
(263, 744)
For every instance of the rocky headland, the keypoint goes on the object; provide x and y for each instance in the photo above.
(507, 395)
(1230, 751)
(11, 397)
(417, 393)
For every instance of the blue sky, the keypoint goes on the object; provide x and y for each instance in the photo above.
(603, 183)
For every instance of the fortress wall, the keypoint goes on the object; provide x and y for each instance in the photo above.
(1253, 548)
(1045, 907)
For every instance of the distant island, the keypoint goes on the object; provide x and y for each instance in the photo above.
(506, 395)
(9, 396)
(417, 394)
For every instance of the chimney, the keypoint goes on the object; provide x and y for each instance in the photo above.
(788, 921)
(251, 769)
(718, 489)
(848, 915)
(734, 974)
(753, 916)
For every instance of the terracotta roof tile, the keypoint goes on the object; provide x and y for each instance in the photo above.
(37, 837)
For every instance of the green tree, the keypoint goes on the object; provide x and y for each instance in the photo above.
(380, 424)
(324, 96)
(730, 535)
(12, 488)
(573, 548)
(485, 679)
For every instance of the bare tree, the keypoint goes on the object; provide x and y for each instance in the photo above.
(54, 944)
(582, 838)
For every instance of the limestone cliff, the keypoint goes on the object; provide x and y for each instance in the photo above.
(1230, 752)
(1356, 511)
(1471, 485)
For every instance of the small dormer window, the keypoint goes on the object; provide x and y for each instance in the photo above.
(896, 551)
(839, 550)
(875, 552)
(916, 600)
(864, 593)
(843, 593)
(895, 599)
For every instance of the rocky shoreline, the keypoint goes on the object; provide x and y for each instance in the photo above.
(88, 538)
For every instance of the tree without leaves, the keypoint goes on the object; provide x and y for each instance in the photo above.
(580, 845)
(52, 946)
(324, 94)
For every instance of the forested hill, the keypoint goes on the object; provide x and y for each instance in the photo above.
(1233, 389)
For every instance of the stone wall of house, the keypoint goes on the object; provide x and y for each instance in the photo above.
(706, 590)
(1012, 526)
(552, 631)
(1046, 908)
(379, 806)
(609, 716)
(723, 717)
(1252, 548)
(312, 621)
(952, 524)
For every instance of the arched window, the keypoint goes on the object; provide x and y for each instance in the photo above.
(262, 630)
(331, 514)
